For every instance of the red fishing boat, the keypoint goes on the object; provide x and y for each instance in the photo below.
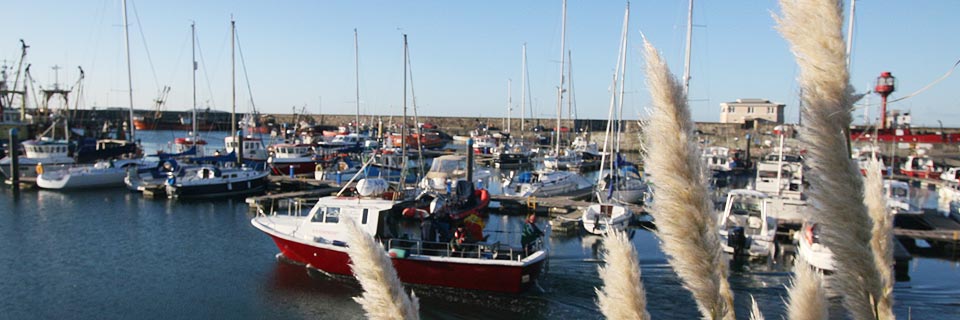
(317, 241)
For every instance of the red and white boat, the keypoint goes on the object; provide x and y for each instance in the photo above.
(292, 158)
(317, 240)
(920, 166)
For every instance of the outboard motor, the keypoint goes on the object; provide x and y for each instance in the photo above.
(737, 239)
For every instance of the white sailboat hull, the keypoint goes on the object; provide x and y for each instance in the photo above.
(82, 177)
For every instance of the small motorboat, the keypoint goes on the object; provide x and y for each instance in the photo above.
(600, 218)
(745, 227)
(810, 248)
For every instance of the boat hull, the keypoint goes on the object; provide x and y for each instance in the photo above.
(504, 276)
(217, 189)
(82, 178)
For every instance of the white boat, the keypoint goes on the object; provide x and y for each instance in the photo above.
(627, 187)
(812, 251)
(600, 218)
(718, 159)
(39, 155)
(102, 174)
(897, 194)
(449, 168)
(951, 174)
(563, 160)
(745, 227)
(545, 184)
(253, 148)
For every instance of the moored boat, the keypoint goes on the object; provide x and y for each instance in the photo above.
(745, 227)
(318, 241)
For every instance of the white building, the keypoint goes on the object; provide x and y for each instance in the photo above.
(744, 110)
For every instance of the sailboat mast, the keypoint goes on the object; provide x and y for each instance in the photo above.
(509, 103)
(563, 48)
(621, 60)
(570, 90)
(523, 91)
(126, 44)
(356, 73)
(853, 10)
(233, 84)
(403, 121)
(623, 77)
(686, 59)
(193, 37)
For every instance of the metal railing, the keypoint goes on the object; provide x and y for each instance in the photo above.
(490, 251)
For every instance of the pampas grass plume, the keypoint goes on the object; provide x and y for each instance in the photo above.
(622, 295)
(383, 294)
(685, 223)
(808, 299)
(813, 29)
(881, 239)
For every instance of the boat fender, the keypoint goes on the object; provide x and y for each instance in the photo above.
(342, 166)
(415, 213)
(172, 180)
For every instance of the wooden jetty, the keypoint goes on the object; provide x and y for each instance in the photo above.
(930, 226)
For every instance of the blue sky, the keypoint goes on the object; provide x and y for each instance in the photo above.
(300, 53)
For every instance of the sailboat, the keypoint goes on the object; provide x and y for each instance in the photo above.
(208, 181)
(103, 173)
(607, 215)
(515, 152)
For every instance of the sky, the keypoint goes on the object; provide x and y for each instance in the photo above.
(299, 55)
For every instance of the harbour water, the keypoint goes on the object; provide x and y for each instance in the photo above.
(112, 254)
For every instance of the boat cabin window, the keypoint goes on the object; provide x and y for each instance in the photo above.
(745, 206)
(773, 174)
(363, 219)
(327, 215)
(896, 191)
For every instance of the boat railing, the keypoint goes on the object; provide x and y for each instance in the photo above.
(477, 250)
(295, 206)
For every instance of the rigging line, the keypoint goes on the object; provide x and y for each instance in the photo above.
(144, 39)
(206, 76)
(246, 77)
(413, 98)
(928, 86)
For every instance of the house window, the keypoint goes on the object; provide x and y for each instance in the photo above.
(769, 109)
(749, 109)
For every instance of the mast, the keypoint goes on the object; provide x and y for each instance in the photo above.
(853, 10)
(403, 122)
(356, 72)
(126, 44)
(686, 59)
(563, 34)
(523, 91)
(509, 103)
(618, 72)
(570, 92)
(233, 84)
(623, 77)
(193, 37)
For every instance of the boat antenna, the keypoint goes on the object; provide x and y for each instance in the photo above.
(403, 122)
(523, 92)
(233, 85)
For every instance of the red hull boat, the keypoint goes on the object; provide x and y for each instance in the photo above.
(316, 240)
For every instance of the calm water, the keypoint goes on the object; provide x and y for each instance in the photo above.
(112, 254)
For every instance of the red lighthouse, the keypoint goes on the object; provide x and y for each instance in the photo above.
(885, 86)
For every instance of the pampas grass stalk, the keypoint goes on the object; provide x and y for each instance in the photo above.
(813, 29)
(622, 295)
(808, 299)
(383, 294)
(881, 239)
(685, 223)
(755, 310)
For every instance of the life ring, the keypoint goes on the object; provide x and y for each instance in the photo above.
(319, 167)
(415, 213)
(39, 168)
(342, 166)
